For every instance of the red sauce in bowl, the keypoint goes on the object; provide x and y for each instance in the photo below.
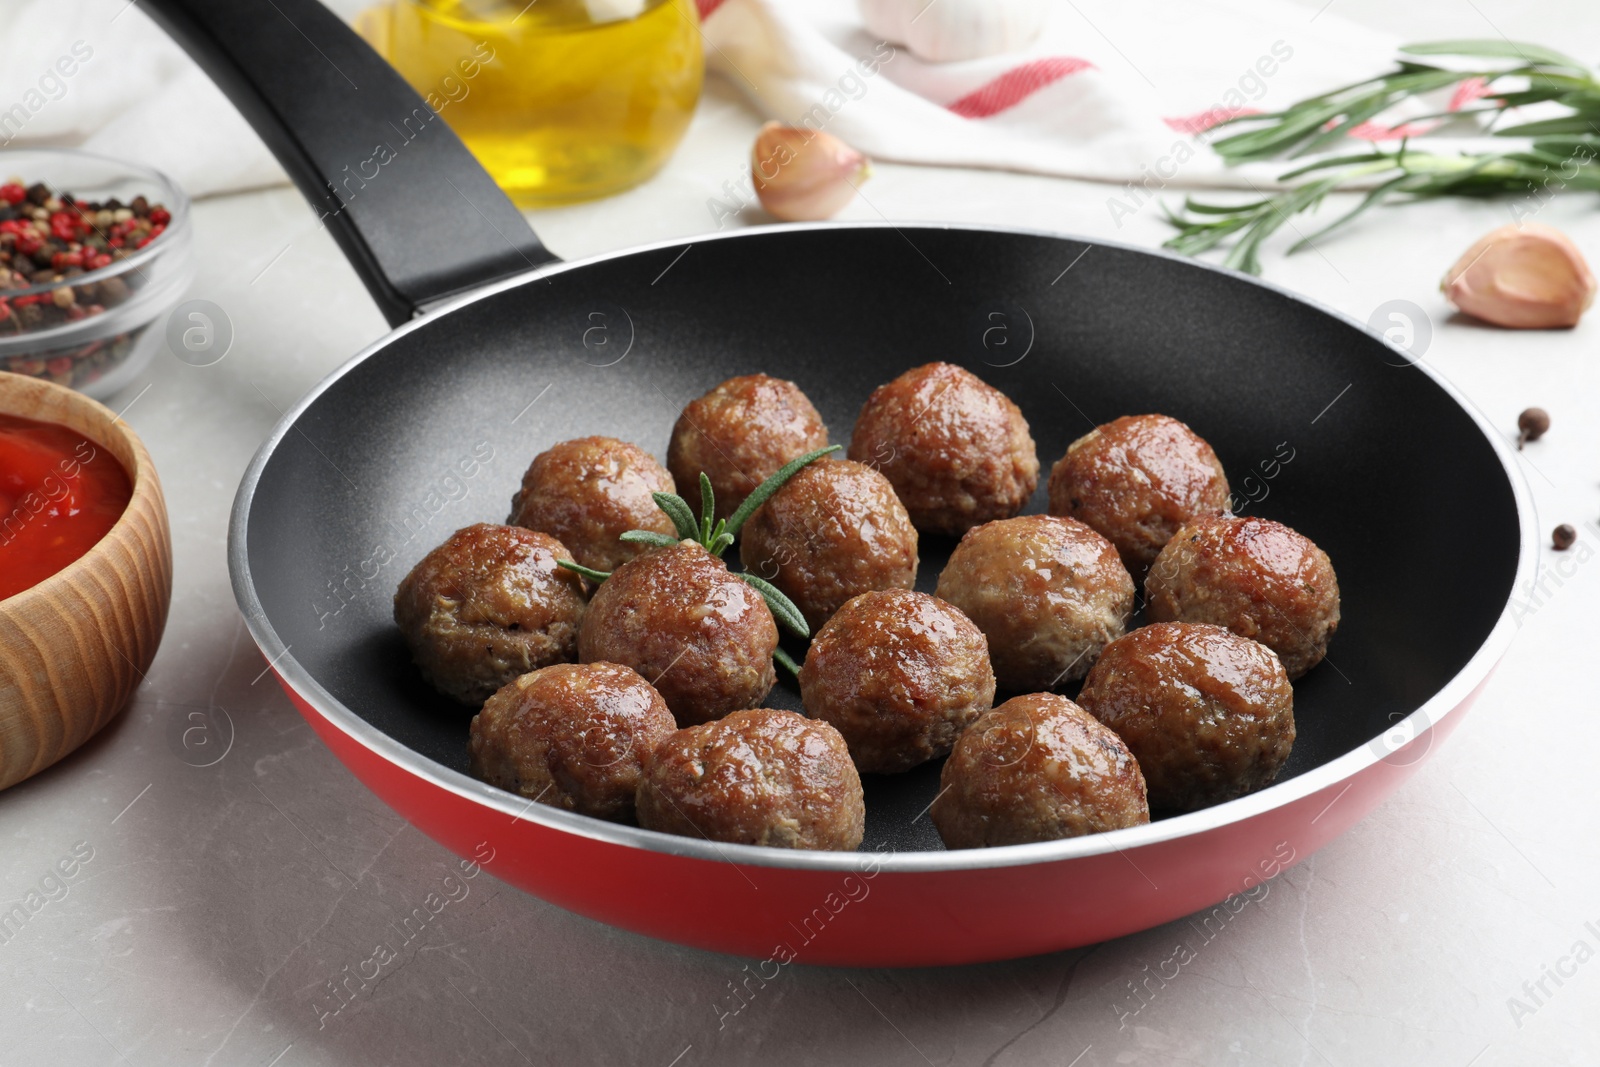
(59, 494)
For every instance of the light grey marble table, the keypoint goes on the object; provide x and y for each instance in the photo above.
(211, 908)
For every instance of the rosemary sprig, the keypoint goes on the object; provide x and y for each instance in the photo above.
(716, 538)
(1562, 150)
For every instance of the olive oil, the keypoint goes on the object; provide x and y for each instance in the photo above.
(560, 100)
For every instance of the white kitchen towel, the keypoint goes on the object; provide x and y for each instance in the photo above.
(1115, 90)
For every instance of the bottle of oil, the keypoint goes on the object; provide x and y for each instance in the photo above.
(560, 100)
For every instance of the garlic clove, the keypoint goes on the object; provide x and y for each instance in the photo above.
(802, 174)
(944, 31)
(1528, 277)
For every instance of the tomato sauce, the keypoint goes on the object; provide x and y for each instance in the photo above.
(59, 494)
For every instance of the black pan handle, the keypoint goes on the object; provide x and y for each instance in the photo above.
(414, 212)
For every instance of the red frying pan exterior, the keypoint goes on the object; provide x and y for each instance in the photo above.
(871, 914)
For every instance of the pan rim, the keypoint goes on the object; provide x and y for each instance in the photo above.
(1446, 701)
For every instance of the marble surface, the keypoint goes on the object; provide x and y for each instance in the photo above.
(210, 907)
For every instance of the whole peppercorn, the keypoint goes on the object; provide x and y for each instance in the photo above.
(1532, 423)
(113, 291)
(1563, 537)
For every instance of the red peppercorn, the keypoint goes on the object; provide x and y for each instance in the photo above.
(102, 260)
(160, 216)
(116, 242)
(13, 193)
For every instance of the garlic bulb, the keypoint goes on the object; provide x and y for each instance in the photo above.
(802, 174)
(1528, 277)
(944, 30)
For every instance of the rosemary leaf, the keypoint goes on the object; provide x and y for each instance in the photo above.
(589, 573)
(648, 537)
(772, 485)
(1566, 124)
(708, 507)
(783, 609)
(1386, 158)
(1375, 196)
(786, 661)
(1497, 48)
(677, 510)
(1190, 204)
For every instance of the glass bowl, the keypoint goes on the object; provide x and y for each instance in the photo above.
(91, 330)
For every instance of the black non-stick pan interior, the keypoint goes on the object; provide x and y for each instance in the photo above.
(1318, 424)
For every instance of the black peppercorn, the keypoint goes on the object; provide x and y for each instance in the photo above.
(1563, 537)
(1532, 423)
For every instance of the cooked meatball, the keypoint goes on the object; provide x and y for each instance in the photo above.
(900, 674)
(571, 736)
(487, 605)
(1258, 578)
(1037, 768)
(1136, 480)
(588, 492)
(701, 636)
(1208, 714)
(759, 777)
(834, 530)
(956, 449)
(1048, 592)
(739, 434)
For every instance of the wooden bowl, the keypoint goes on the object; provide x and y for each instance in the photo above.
(73, 647)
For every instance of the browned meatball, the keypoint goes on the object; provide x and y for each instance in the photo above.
(900, 674)
(956, 449)
(1048, 592)
(1258, 578)
(739, 434)
(1208, 714)
(572, 736)
(588, 492)
(834, 530)
(1136, 480)
(487, 605)
(698, 634)
(1037, 768)
(759, 777)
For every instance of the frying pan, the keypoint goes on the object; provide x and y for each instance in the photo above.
(499, 350)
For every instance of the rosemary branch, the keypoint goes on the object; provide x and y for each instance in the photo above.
(717, 537)
(1559, 153)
